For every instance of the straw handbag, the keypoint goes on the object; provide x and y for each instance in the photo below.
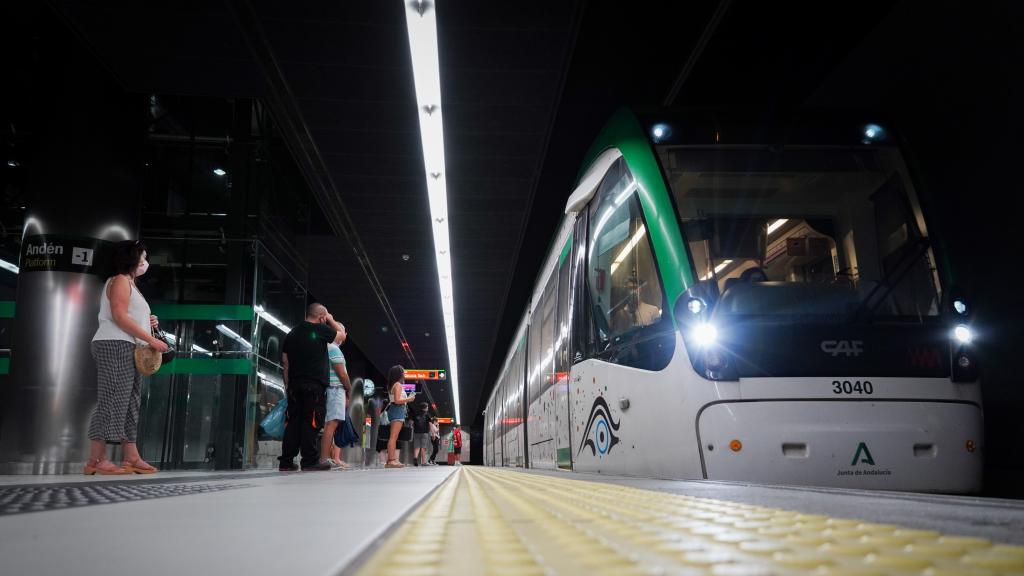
(147, 359)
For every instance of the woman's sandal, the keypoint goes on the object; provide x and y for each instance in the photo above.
(394, 464)
(92, 467)
(136, 468)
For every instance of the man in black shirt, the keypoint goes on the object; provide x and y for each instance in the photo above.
(306, 379)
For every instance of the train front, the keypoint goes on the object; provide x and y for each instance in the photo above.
(822, 296)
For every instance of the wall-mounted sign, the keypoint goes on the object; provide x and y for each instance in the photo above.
(61, 253)
(418, 374)
(445, 420)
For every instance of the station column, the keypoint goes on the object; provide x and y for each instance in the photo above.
(85, 191)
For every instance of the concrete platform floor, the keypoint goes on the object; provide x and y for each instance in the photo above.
(469, 520)
(305, 523)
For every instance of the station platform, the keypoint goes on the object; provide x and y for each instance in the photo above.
(473, 520)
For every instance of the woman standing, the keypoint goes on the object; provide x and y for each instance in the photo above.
(435, 439)
(396, 412)
(124, 321)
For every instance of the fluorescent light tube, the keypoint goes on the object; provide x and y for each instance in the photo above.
(776, 225)
(262, 312)
(231, 334)
(632, 244)
(421, 26)
(8, 266)
(718, 269)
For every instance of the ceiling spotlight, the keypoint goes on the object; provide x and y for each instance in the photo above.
(13, 163)
(219, 171)
(406, 257)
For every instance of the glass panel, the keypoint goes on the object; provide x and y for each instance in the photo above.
(547, 332)
(624, 287)
(839, 225)
(201, 418)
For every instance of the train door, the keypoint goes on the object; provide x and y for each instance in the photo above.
(540, 376)
(562, 360)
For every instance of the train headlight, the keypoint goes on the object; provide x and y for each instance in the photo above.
(695, 306)
(705, 334)
(960, 306)
(661, 132)
(872, 133)
(963, 334)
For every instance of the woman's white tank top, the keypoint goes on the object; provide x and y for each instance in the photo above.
(401, 392)
(138, 309)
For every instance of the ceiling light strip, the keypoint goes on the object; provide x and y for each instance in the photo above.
(421, 25)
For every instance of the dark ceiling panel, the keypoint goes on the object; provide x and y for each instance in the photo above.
(501, 49)
(501, 87)
(386, 117)
(337, 42)
(375, 143)
(487, 117)
(348, 83)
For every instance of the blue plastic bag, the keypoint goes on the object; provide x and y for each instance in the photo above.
(345, 434)
(273, 422)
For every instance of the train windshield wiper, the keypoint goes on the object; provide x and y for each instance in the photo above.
(913, 251)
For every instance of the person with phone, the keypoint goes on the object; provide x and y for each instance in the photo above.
(305, 360)
(397, 411)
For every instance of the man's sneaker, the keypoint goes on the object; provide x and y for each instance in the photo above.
(321, 466)
(334, 465)
(287, 468)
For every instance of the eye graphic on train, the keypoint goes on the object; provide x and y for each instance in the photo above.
(601, 428)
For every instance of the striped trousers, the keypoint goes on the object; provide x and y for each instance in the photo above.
(119, 391)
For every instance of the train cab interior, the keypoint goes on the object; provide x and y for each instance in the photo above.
(822, 232)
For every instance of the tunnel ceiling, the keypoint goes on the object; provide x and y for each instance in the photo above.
(525, 87)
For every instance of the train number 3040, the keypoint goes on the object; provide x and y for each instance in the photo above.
(855, 387)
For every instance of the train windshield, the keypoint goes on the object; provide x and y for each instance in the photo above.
(831, 232)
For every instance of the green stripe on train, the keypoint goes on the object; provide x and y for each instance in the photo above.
(5, 365)
(207, 366)
(565, 251)
(623, 131)
(6, 308)
(202, 312)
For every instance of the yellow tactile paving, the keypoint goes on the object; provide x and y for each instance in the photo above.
(495, 521)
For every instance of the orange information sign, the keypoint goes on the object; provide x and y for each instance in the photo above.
(418, 374)
(444, 420)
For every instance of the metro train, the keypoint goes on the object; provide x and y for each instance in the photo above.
(729, 300)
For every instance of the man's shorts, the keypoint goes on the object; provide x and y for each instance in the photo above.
(335, 403)
(421, 441)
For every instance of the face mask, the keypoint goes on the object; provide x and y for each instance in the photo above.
(143, 266)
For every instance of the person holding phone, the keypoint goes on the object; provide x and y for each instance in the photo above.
(396, 412)
(305, 360)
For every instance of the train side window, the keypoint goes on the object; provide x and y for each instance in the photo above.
(624, 288)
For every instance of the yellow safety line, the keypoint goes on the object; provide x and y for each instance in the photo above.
(496, 521)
